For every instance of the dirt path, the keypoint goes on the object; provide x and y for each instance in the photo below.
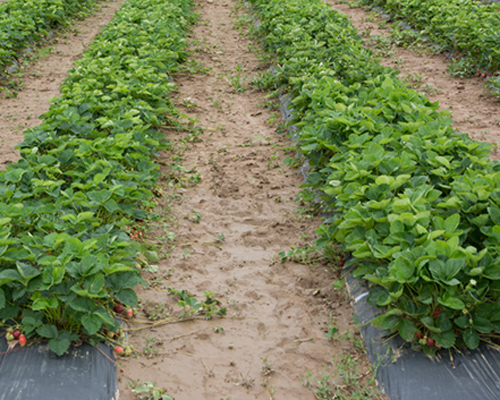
(43, 77)
(229, 227)
(475, 112)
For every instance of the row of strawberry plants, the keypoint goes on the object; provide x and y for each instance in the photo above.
(416, 203)
(466, 28)
(86, 174)
(23, 22)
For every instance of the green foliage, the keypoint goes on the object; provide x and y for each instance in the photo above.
(493, 84)
(26, 21)
(416, 203)
(464, 27)
(86, 173)
(191, 305)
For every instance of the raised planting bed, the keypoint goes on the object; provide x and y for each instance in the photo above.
(413, 201)
(24, 22)
(467, 29)
(87, 173)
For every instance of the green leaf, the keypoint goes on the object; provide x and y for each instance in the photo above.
(127, 296)
(152, 256)
(445, 339)
(403, 269)
(14, 175)
(482, 325)
(451, 223)
(45, 303)
(471, 338)
(2, 299)
(100, 196)
(494, 213)
(27, 271)
(452, 302)
(96, 284)
(388, 320)
(5, 221)
(59, 345)
(462, 321)
(47, 331)
(82, 304)
(407, 329)
(92, 323)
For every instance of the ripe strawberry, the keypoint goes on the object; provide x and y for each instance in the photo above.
(16, 334)
(119, 350)
(129, 313)
(9, 336)
(118, 308)
(483, 76)
(436, 313)
(419, 335)
(341, 263)
(430, 342)
(22, 340)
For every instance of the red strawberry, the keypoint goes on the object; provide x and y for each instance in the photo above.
(419, 335)
(341, 263)
(119, 350)
(16, 334)
(118, 308)
(22, 340)
(129, 313)
(436, 313)
(430, 342)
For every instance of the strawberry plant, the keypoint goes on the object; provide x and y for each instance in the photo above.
(23, 22)
(493, 84)
(416, 203)
(87, 174)
(465, 28)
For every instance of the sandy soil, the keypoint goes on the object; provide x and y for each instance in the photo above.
(42, 77)
(246, 204)
(475, 111)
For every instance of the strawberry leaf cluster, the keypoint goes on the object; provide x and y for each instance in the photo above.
(416, 203)
(86, 174)
(464, 27)
(23, 22)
